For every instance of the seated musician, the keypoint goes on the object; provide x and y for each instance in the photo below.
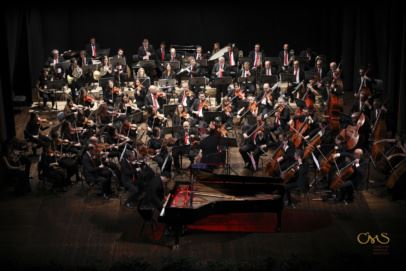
(140, 92)
(75, 82)
(49, 168)
(194, 71)
(185, 137)
(362, 104)
(186, 97)
(95, 172)
(180, 116)
(33, 131)
(319, 71)
(126, 106)
(155, 99)
(289, 151)
(360, 168)
(198, 108)
(199, 55)
(42, 87)
(144, 78)
(120, 74)
(297, 72)
(255, 143)
(168, 73)
(265, 99)
(129, 178)
(83, 59)
(268, 69)
(378, 113)
(85, 99)
(173, 56)
(106, 70)
(128, 129)
(300, 179)
(220, 70)
(55, 58)
(104, 116)
(227, 108)
(247, 77)
(282, 115)
(16, 166)
(111, 93)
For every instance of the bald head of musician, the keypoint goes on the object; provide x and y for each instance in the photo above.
(221, 60)
(286, 47)
(185, 86)
(55, 53)
(172, 51)
(281, 101)
(145, 43)
(186, 125)
(110, 84)
(333, 66)
(153, 89)
(93, 140)
(268, 64)
(91, 148)
(296, 64)
(358, 153)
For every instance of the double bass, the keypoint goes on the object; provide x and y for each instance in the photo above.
(273, 165)
(351, 134)
(342, 175)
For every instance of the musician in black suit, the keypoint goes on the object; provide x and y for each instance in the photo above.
(231, 58)
(42, 88)
(286, 57)
(257, 57)
(161, 56)
(363, 81)
(92, 47)
(247, 78)
(300, 180)
(298, 72)
(264, 99)
(83, 59)
(220, 70)
(194, 68)
(95, 172)
(360, 169)
(319, 70)
(55, 58)
(210, 146)
(173, 55)
(119, 59)
(186, 137)
(129, 178)
(153, 100)
(378, 111)
(269, 69)
(309, 58)
(146, 51)
(199, 55)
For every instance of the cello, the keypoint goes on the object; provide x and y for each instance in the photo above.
(342, 175)
(350, 133)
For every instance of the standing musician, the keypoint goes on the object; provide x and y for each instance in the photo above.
(286, 57)
(220, 70)
(186, 137)
(231, 58)
(161, 56)
(92, 47)
(42, 87)
(146, 51)
(199, 55)
(257, 57)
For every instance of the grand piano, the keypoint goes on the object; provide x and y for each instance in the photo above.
(208, 193)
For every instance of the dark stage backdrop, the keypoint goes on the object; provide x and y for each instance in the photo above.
(355, 34)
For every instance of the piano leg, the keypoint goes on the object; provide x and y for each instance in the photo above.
(177, 231)
(279, 221)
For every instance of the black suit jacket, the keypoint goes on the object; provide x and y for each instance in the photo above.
(149, 103)
(141, 52)
(252, 57)
(323, 72)
(158, 56)
(301, 74)
(89, 48)
(227, 58)
(282, 56)
(216, 68)
(88, 61)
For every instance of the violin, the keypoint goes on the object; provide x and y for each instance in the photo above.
(116, 90)
(239, 93)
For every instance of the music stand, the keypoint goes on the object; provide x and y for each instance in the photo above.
(103, 52)
(166, 84)
(167, 130)
(169, 109)
(228, 142)
(209, 116)
(64, 65)
(202, 62)
(198, 82)
(275, 60)
(104, 81)
(137, 117)
(226, 80)
(309, 75)
(147, 63)
(271, 80)
(174, 64)
(287, 77)
(242, 60)
(246, 80)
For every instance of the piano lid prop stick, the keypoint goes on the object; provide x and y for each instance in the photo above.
(164, 206)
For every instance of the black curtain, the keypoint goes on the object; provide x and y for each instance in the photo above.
(353, 34)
